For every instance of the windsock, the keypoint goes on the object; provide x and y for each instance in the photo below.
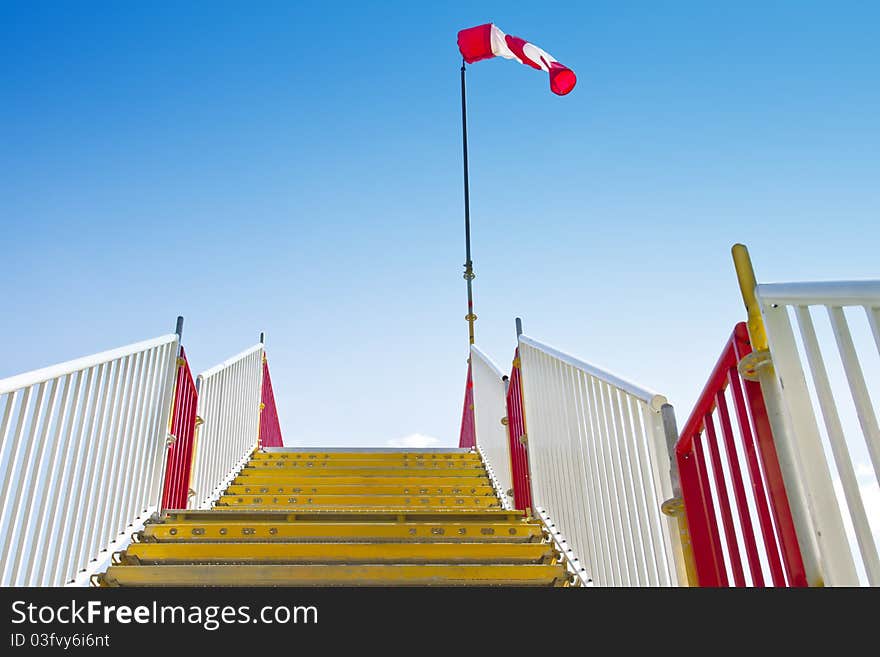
(487, 41)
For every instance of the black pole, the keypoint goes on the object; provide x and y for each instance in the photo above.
(178, 329)
(468, 265)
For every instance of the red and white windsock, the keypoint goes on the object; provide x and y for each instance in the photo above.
(487, 41)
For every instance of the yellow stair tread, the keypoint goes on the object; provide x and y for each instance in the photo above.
(343, 513)
(374, 501)
(314, 553)
(336, 575)
(223, 514)
(346, 518)
(383, 471)
(406, 466)
(355, 461)
(235, 530)
(364, 456)
(372, 489)
(259, 478)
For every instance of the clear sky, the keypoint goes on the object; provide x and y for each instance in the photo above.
(296, 168)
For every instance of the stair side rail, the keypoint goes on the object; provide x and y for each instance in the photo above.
(80, 457)
(490, 422)
(826, 315)
(229, 405)
(181, 439)
(518, 440)
(600, 467)
(740, 526)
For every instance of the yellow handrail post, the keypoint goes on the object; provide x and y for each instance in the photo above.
(747, 284)
(686, 567)
(758, 366)
(192, 461)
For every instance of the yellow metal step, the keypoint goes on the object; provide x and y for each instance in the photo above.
(364, 456)
(336, 575)
(370, 489)
(349, 553)
(216, 530)
(226, 514)
(353, 467)
(410, 464)
(260, 478)
(345, 512)
(348, 518)
(373, 501)
(413, 475)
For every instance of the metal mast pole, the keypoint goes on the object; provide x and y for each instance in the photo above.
(468, 265)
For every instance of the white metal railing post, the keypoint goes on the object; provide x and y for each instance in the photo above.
(673, 507)
(490, 413)
(229, 404)
(759, 367)
(72, 436)
(812, 499)
(819, 515)
(260, 392)
(835, 563)
(598, 449)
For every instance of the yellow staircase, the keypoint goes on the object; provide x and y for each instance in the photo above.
(346, 518)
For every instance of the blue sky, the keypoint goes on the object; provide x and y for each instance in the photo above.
(296, 168)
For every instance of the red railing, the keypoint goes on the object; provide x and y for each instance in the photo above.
(468, 436)
(183, 424)
(270, 427)
(714, 490)
(516, 433)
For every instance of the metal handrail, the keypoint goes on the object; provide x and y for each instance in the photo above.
(490, 411)
(81, 452)
(821, 293)
(600, 466)
(229, 403)
(232, 360)
(760, 513)
(517, 438)
(821, 519)
(653, 399)
(487, 361)
(179, 455)
(41, 375)
(829, 556)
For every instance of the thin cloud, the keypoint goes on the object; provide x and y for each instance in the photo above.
(414, 440)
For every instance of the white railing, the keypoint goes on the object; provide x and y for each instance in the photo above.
(229, 404)
(81, 450)
(490, 410)
(829, 510)
(600, 467)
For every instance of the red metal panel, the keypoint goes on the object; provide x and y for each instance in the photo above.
(699, 517)
(724, 507)
(775, 495)
(468, 435)
(183, 424)
(772, 549)
(714, 539)
(516, 429)
(270, 427)
(753, 439)
(739, 493)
